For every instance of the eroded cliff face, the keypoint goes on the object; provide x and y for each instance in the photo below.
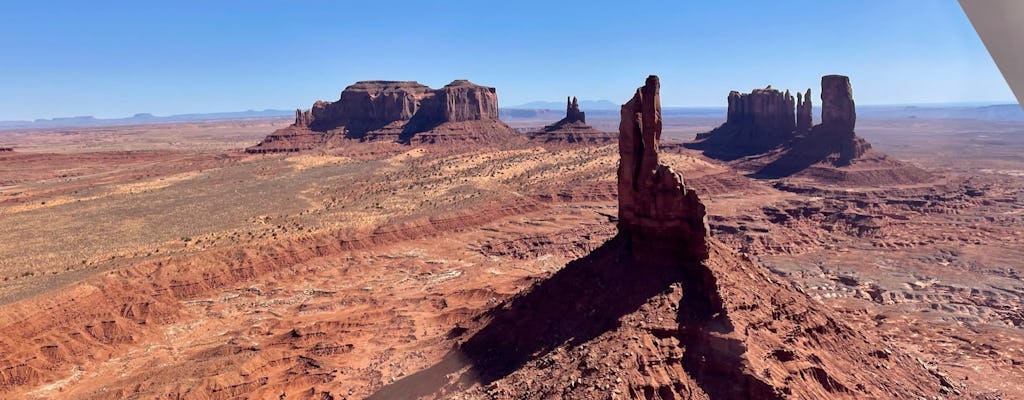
(756, 122)
(398, 111)
(572, 111)
(657, 212)
(766, 109)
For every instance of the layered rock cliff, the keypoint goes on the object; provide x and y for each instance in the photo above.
(396, 111)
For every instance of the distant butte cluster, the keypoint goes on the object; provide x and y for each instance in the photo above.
(572, 129)
(394, 111)
(767, 119)
(773, 132)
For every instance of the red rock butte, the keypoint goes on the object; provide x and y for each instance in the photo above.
(768, 132)
(572, 129)
(394, 111)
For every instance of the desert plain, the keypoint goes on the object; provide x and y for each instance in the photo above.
(164, 261)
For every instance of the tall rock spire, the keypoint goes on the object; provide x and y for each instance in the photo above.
(658, 214)
(804, 118)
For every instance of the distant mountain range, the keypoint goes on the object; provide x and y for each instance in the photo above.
(554, 105)
(555, 110)
(142, 118)
(995, 112)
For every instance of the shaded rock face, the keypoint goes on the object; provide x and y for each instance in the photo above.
(658, 214)
(837, 108)
(368, 104)
(303, 118)
(394, 111)
(767, 109)
(462, 100)
(756, 122)
(572, 111)
(804, 118)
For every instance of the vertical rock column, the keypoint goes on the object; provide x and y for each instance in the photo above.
(804, 119)
(838, 112)
(662, 219)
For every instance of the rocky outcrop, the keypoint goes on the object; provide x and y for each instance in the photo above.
(572, 111)
(658, 214)
(572, 129)
(6, 149)
(303, 118)
(401, 111)
(804, 117)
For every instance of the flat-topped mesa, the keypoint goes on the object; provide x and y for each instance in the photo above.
(804, 117)
(766, 109)
(756, 122)
(370, 105)
(402, 111)
(658, 214)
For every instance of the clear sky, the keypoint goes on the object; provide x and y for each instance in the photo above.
(114, 58)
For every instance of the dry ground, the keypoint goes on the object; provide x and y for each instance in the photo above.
(183, 267)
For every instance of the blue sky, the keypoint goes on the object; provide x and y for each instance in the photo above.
(113, 59)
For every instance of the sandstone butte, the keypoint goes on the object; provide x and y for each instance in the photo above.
(394, 111)
(772, 134)
(572, 129)
(668, 312)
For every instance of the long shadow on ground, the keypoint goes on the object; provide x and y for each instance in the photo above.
(579, 303)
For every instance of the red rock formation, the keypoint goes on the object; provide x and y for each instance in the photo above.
(658, 214)
(837, 108)
(303, 119)
(394, 111)
(462, 100)
(572, 111)
(767, 109)
(756, 135)
(572, 129)
(756, 122)
(804, 118)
